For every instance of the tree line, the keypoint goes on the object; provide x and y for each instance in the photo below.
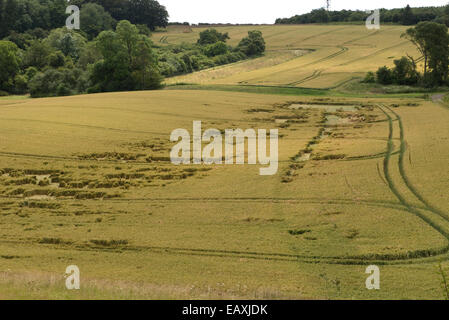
(432, 41)
(210, 50)
(405, 16)
(28, 15)
(107, 56)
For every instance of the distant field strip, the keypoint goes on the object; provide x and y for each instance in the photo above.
(359, 51)
(375, 53)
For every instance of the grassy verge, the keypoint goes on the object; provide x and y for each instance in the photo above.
(293, 91)
(357, 87)
(252, 89)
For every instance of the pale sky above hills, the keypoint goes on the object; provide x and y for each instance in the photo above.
(266, 11)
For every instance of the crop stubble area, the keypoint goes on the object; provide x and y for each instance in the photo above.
(87, 180)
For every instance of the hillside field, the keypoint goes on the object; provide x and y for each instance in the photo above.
(362, 180)
(312, 56)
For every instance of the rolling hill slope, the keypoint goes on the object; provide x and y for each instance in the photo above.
(313, 56)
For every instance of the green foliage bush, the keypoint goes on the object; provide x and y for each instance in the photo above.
(370, 77)
(56, 59)
(9, 64)
(55, 82)
(404, 72)
(384, 75)
(69, 42)
(37, 55)
(211, 36)
(252, 45)
(20, 84)
(185, 58)
(94, 19)
(216, 49)
(128, 63)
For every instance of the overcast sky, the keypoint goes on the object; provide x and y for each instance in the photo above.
(266, 11)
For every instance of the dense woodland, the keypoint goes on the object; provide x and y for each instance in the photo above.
(27, 15)
(406, 16)
(112, 51)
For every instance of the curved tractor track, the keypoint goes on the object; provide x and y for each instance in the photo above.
(425, 211)
(406, 181)
(342, 50)
(314, 75)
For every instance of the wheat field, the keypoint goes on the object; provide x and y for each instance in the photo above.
(320, 56)
(87, 181)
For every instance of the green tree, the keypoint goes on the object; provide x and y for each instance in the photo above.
(69, 42)
(145, 72)
(443, 20)
(51, 82)
(148, 12)
(20, 84)
(94, 19)
(404, 72)
(112, 72)
(408, 18)
(9, 64)
(211, 36)
(2, 20)
(254, 44)
(370, 77)
(143, 29)
(128, 61)
(38, 33)
(37, 54)
(384, 75)
(10, 15)
(216, 49)
(22, 40)
(439, 54)
(432, 41)
(117, 8)
(56, 59)
(30, 72)
(128, 35)
(88, 55)
(319, 16)
(56, 11)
